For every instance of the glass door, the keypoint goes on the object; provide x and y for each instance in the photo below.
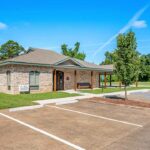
(60, 80)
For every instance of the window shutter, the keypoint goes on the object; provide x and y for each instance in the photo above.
(37, 78)
(32, 78)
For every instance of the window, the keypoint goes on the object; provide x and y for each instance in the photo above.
(34, 80)
(8, 73)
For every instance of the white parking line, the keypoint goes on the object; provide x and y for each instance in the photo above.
(43, 132)
(95, 116)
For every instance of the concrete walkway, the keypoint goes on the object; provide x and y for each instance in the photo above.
(68, 100)
(84, 96)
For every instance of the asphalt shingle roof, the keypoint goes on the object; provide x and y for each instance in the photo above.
(42, 56)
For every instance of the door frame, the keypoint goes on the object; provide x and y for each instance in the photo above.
(57, 76)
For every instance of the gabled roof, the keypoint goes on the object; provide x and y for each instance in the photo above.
(69, 61)
(38, 56)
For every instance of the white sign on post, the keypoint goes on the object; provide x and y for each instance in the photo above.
(24, 88)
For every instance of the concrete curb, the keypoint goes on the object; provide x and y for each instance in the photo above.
(25, 108)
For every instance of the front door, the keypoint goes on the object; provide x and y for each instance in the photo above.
(59, 80)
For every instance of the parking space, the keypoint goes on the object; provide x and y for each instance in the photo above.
(82, 125)
(137, 115)
(14, 136)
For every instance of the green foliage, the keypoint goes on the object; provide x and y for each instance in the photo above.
(127, 60)
(144, 72)
(10, 49)
(109, 58)
(144, 68)
(111, 90)
(114, 78)
(73, 52)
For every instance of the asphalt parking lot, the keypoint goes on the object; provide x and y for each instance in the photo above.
(82, 125)
(140, 96)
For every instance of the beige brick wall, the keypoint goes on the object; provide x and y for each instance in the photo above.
(82, 76)
(68, 80)
(20, 76)
(85, 76)
(96, 80)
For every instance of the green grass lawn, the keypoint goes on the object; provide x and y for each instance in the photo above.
(10, 101)
(109, 90)
(140, 84)
(144, 84)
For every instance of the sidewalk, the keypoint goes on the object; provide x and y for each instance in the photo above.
(84, 96)
(69, 100)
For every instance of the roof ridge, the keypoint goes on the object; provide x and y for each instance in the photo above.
(47, 50)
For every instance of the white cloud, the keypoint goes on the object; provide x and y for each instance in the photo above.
(140, 24)
(2, 26)
(136, 16)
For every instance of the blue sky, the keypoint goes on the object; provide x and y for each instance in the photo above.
(94, 23)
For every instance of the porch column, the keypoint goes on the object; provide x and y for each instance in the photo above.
(91, 79)
(105, 79)
(99, 80)
(54, 80)
(75, 80)
(110, 80)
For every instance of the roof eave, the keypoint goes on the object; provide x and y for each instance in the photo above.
(22, 63)
(84, 68)
(56, 66)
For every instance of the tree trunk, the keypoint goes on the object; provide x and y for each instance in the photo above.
(136, 83)
(125, 88)
(120, 84)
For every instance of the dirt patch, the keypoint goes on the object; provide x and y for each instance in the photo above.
(120, 101)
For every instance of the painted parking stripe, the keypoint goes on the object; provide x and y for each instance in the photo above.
(95, 116)
(44, 132)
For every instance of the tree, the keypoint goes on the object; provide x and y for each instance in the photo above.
(127, 59)
(73, 52)
(144, 72)
(10, 49)
(109, 58)
(145, 68)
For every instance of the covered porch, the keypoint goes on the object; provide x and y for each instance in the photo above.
(73, 74)
(65, 79)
